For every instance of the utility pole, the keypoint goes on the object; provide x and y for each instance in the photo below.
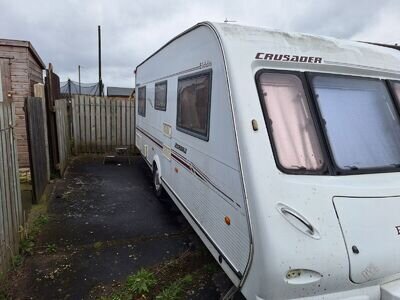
(79, 75)
(100, 80)
(69, 88)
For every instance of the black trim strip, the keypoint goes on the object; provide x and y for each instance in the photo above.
(238, 273)
(188, 165)
(155, 140)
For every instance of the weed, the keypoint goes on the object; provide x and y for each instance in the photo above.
(97, 245)
(16, 261)
(3, 295)
(122, 296)
(26, 246)
(141, 282)
(211, 268)
(51, 248)
(174, 290)
(41, 220)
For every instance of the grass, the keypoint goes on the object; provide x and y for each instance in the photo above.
(175, 290)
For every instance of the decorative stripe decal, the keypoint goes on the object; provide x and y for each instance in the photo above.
(189, 165)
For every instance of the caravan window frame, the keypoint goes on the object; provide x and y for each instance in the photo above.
(140, 112)
(335, 168)
(204, 137)
(331, 167)
(392, 91)
(325, 167)
(157, 101)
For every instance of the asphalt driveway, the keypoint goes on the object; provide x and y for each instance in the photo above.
(105, 224)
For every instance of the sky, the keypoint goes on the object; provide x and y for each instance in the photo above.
(64, 32)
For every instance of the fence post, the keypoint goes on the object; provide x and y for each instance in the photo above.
(38, 90)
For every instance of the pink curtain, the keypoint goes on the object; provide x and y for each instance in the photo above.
(293, 130)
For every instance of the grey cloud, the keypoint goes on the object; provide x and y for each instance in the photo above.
(65, 32)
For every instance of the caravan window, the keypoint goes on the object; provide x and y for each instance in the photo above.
(290, 123)
(360, 120)
(194, 99)
(142, 101)
(160, 97)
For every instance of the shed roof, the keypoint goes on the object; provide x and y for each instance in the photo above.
(114, 91)
(24, 44)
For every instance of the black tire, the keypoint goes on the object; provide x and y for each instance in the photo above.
(157, 186)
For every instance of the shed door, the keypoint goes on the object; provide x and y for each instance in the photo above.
(5, 80)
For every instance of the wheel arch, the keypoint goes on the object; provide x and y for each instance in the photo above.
(157, 164)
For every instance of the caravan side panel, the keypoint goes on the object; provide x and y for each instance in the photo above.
(203, 173)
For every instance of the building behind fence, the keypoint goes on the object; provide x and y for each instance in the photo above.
(11, 217)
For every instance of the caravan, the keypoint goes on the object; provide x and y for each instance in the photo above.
(283, 153)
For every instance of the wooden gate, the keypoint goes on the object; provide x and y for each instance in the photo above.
(10, 194)
(100, 124)
(52, 90)
(37, 145)
(63, 133)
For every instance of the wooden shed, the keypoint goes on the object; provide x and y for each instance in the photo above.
(20, 68)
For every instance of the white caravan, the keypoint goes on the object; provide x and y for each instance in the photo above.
(283, 152)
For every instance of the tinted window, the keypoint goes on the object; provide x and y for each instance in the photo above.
(361, 122)
(290, 122)
(194, 95)
(160, 97)
(142, 101)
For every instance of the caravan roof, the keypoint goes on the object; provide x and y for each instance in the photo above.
(245, 44)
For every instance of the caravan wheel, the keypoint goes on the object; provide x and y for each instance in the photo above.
(158, 188)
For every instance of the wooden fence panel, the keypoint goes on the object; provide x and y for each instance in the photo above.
(37, 145)
(86, 123)
(75, 123)
(108, 127)
(10, 194)
(100, 124)
(63, 133)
